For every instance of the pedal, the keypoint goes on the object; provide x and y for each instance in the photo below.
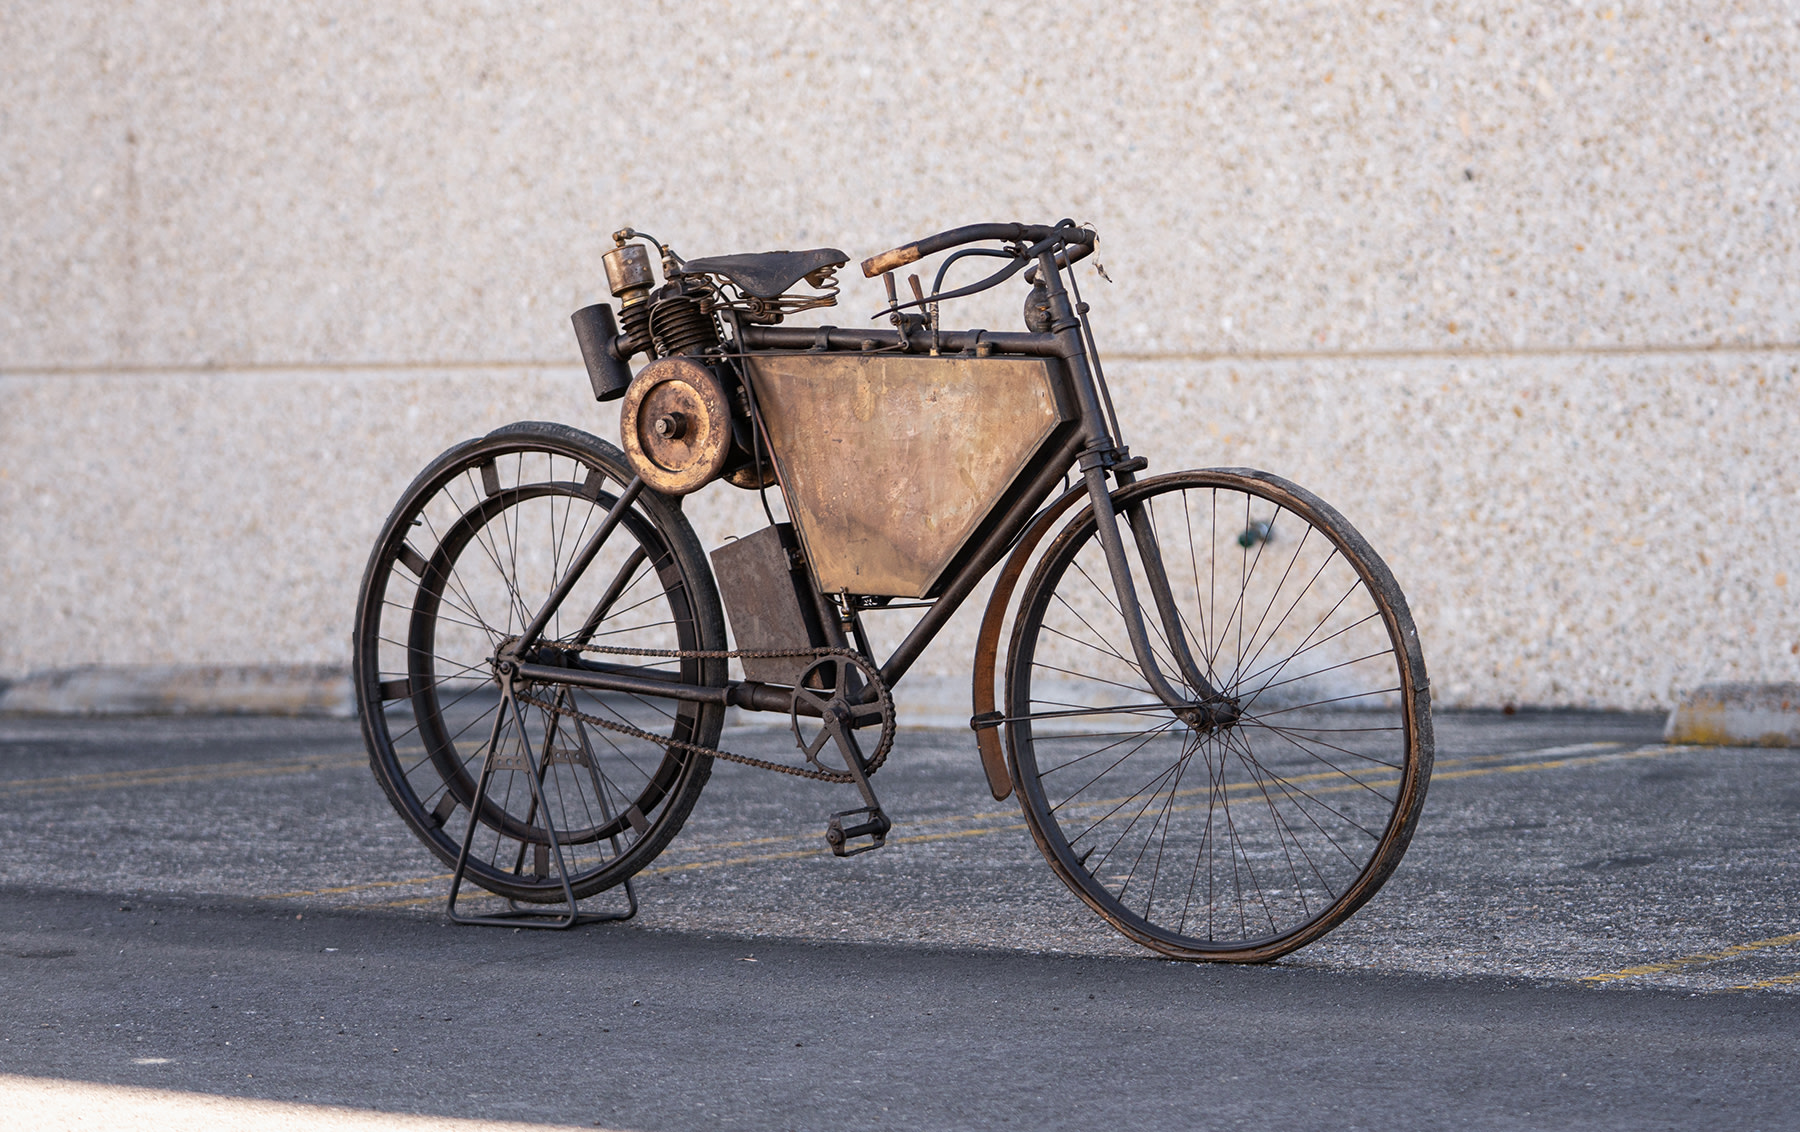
(839, 836)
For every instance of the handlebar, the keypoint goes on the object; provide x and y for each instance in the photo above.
(969, 234)
(1063, 259)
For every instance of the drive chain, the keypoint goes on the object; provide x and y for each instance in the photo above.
(873, 764)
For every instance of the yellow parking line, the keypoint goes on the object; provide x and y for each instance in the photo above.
(754, 859)
(1319, 776)
(715, 846)
(659, 870)
(250, 768)
(913, 839)
(1256, 786)
(200, 772)
(1687, 961)
(1777, 981)
(1552, 764)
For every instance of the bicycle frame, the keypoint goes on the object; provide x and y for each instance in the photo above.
(1091, 447)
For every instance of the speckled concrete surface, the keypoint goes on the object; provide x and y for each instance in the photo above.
(1555, 846)
(1515, 287)
(1597, 532)
(251, 183)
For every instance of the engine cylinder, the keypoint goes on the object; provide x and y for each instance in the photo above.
(679, 326)
(634, 320)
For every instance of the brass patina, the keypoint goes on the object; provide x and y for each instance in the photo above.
(676, 425)
(890, 462)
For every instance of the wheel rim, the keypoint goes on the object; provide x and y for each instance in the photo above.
(470, 556)
(1246, 841)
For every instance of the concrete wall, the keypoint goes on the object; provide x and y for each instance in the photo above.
(1516, 286)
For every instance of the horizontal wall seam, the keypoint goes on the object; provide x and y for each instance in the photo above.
(1395, 354)
(279, 367)
(1428, 354)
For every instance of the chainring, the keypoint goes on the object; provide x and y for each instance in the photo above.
(836, 686)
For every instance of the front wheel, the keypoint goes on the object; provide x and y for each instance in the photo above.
(1244, 841)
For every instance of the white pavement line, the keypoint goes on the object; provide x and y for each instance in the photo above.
(33, 1103)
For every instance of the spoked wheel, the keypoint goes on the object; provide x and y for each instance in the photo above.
(1244, 841)
(474, 548)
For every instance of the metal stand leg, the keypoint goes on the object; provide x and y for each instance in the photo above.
(516, 915)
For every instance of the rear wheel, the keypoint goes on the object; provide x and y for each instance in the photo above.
(1246, 841)
(471, 552)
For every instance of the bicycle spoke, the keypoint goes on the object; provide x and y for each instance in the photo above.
(506, 529)
(1245, 834)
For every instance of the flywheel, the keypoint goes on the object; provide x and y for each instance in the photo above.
(676, 425)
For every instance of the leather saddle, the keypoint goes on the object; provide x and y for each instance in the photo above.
(767, 275)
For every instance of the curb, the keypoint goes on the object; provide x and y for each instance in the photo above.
(1737, 715)
(97, 689)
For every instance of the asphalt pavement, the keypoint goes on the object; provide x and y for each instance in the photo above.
(1591, 928)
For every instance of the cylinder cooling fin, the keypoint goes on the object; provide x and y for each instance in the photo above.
(634, 321)
(678, 325)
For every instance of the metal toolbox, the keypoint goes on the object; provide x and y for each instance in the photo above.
(770, 603)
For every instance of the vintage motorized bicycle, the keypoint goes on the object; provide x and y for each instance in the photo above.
(1213, 705)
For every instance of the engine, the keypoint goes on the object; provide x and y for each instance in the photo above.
(685, 420)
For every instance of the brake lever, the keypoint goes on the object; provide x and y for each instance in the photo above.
(930, 310)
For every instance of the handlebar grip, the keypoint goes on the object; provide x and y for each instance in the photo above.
(968, 234)
(889, 260)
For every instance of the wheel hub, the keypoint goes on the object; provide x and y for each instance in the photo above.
(1211, 715)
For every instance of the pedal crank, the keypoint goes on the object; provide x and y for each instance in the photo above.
(876, 824)
(841, 837)
(841, 694)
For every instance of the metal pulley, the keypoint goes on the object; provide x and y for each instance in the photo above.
(676, 425)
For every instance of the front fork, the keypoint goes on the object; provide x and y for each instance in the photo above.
(1208, 707)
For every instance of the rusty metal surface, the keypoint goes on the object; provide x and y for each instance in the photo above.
(987, 643)
(628, 270)
(769, 611)
(676, 425)
(890, 462)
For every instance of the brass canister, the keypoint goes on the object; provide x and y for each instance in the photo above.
(628, 270)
